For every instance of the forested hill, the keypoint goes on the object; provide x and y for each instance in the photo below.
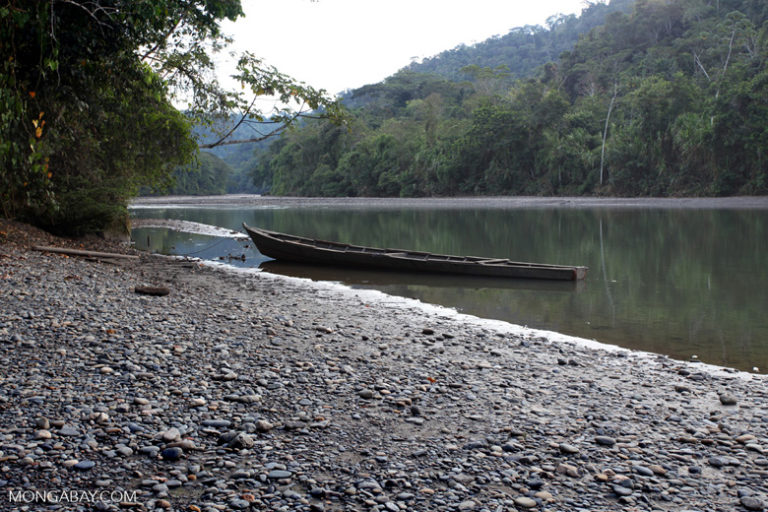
(224, 169)
(523, 49)
(669, 98)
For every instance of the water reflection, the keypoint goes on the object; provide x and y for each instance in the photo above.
(679, 282)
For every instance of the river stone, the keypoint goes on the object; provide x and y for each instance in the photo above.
(84, 465)
(43, 434)
(69, 431)
(217, 423)
(751, 503)
(525, 502)
(620, 490)
(264, 426)
(172, 454)
(241, 440)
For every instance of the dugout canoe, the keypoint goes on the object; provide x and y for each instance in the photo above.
(285, 247)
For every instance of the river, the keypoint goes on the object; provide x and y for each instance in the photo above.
(685, 278)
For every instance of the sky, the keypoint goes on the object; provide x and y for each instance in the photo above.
(344, 44)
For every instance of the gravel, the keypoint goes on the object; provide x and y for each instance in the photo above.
(185, 402)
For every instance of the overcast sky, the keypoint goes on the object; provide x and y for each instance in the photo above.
(344, 44)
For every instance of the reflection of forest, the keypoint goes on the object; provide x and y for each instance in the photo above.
(679, 282)
(166, 241)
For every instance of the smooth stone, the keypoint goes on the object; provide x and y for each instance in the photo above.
(84, 465)
(172, 453)
(217, 423)
(264, 426)
(751, 503)
(170, 435)
(605, 441)
(642, 470)
(745, 438)
(525, 502)
(620, 490)
(728, 399)
(719, 461)
(125, 451)
(568, 448)
(277, 474)
(43, 434)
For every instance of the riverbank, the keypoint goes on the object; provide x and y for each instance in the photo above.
(249, 391)
(252, 200)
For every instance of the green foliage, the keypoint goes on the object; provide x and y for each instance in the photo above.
(665, 99)
(523, 49)
(208, 175)
(86, 112)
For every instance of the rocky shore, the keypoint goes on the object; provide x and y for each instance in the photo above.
(243, 391)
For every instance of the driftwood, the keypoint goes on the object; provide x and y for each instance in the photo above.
(78, 252)
(157, 291)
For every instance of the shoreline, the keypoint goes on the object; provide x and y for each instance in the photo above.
(247, 391)
(249, 200)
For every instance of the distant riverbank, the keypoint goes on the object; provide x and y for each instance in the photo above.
(236, 200)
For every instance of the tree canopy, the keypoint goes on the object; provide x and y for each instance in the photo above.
(668, 98)
(88, 95)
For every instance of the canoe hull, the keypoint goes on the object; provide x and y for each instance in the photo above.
(284, 247)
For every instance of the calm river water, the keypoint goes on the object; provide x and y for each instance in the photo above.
(677, 281)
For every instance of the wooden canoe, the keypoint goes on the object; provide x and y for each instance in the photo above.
(284, 247)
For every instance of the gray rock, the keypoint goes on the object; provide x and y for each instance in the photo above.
(525, 502)
(605, 440)
(751, 503)
(217, 423)
(172, 454)
(84, 465)
(241, 440)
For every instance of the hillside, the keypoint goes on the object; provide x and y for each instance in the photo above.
(523, 49)
(665, 100)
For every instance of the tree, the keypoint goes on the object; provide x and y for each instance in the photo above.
(87, 94)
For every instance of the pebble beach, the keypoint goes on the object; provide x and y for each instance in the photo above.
(246, 391)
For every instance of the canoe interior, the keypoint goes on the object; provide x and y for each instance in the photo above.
(286, 247)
